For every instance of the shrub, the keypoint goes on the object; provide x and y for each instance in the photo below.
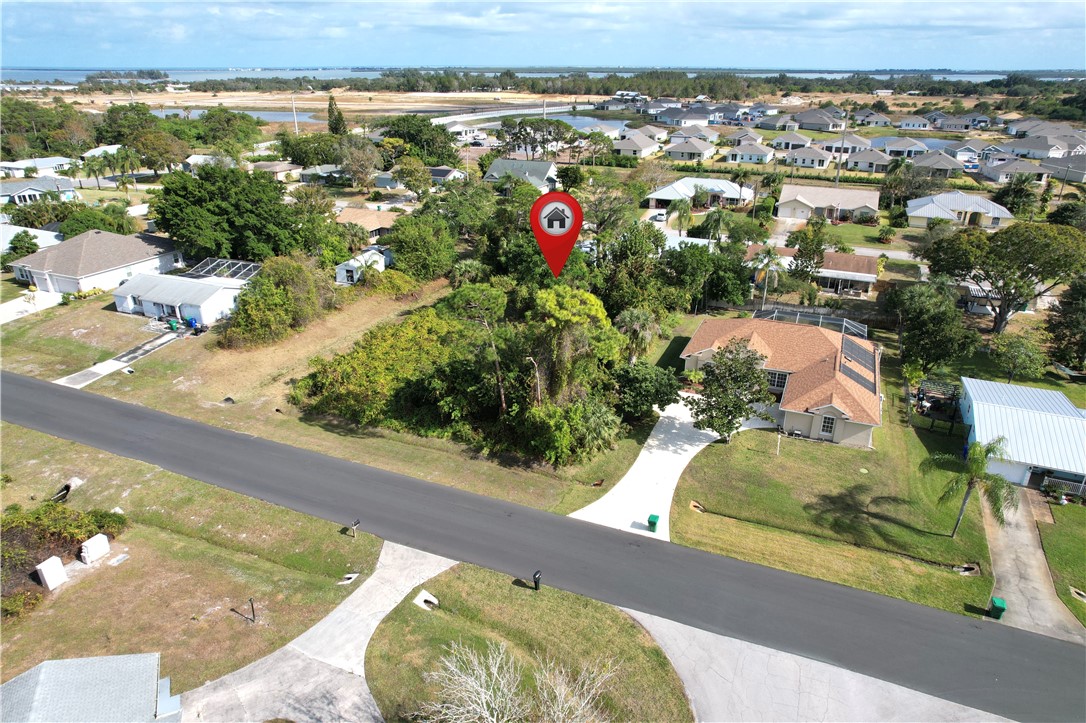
(19, 604)
(391, 283)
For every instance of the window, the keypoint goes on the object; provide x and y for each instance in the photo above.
(777, 380)
(827, 425)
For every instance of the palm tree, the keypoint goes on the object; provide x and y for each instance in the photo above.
(640, 327)
(896, 165)
(124, 183)
(684, 214)
(716, 223)
(129, 162)
(95, 166)
(72, 172)
(972, 475)
(768, 261)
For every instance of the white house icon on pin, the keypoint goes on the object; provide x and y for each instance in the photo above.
(557, 217)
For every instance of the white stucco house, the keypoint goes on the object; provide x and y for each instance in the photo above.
(750, 153)
(207, 300)
(47, 166)
(826, 202)
(809, 157)
(22, 191)
(353, 270)
(962, 209)
(692, 150)
(97, 260)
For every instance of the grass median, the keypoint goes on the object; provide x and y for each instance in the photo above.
(1065, 547)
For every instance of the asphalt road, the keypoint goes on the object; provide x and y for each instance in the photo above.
(977, 663)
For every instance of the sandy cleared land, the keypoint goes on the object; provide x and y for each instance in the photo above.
(316, 101)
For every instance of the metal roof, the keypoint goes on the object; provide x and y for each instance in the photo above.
(175, 290)
(685, 188)
(1041, 427)
(82, 690)
(946, 205)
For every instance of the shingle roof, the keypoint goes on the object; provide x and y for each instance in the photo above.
(276, 167)
(752, 149)
(1041, 427)
(93, 252)
(792, 137)
(826, 196)
(635, 142)
(869, 155)
(80, 690)
(937, 160)
(537, 173)
(905, 144)
(693, 145)
(810, 354)
(914, 119)
(16, 186)
(809, 152)
(835, 264)
(1017, 166)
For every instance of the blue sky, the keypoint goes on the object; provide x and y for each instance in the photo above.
(959, 34)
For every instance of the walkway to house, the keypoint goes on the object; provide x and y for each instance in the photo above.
(649, 485)
(728, 679)
(1022, 577)
(83, 378)
(28, 303)
(320, 675)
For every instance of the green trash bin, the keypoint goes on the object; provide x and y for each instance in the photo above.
(997, 608)
(653, 519)
(172, 323)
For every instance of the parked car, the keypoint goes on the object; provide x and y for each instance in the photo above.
(478, 143)
(661, 217)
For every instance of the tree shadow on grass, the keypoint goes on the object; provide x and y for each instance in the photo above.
(856, 516)
(670, 358)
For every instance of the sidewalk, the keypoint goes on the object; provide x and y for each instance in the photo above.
(320, 675)
(83, 378)
(28, 303)
(1022, 577)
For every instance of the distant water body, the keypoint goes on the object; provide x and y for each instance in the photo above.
(49, 75)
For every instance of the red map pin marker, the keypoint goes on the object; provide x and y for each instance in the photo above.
(556, 221)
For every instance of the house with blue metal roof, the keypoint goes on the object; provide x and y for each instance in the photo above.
(1044, 433)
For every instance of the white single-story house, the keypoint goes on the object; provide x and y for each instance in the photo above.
(440, 174)
(1005, 171)
(778, 123)
(1072, 168)
(740, 137)
(958, 207)
(610, 131)
(869, 159)
(790, 140)
(97, 260)
(809, 157)
(750, 153)
(461, 132)
(702, 133)
(385, 179)
(914, 123)
(101, 151)
(282, 170)
(353, 270)
(22, 191)
(954, 124)
(207, 300)
(882, 92)
(818, 119)
(636, 145)
(875, 119)
(938, 163)
(830, 202)
(320, 174)
(968, 151)
(721, 192)
(657, 134)
(1044, 433)
(827, 383)
(904, 148)
(44, 239)
(48, 166)
(845, 145)
(193, 162)
(377, 223)
(691, 150)
(543, 175)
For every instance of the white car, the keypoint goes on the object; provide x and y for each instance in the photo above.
(661, 217)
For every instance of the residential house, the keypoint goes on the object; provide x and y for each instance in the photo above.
(44, 239)
(657, 134)
(280, 170)
(320, 174)
(962, 209)
(612, 104)
(1003, 172)
(636, 145)
(28, 190)
(462, 132)
(847, 144)
(790, 140)
(750, 153)
(745, 135)
(387, 180)
(192, 163)
(954, 124)
(875, 120)
(831, 202)
(730, 113)
(1044, 147)
(914, 123)
(692, 150)
(97, 260)
(702, 133)
(935, 116)
(669, 102)
(543, 175)
(101, 151)
(48, 166)
(937, 163)
(977, 120)
(376, 223)
(353, 270)
(649, 108)
(1037, 127)
(1072, 168)
(809, 157)
(836, 112)
(610, 131)
(904, 148)
(862, 114)
(817, 119)
(440, 174)
(109, 688)
(882, 92)
(207, 299)
(778, 123)
(869, 159)
(721, 192)
(681, 118)
(841, 274)
(761, 110)
(827, 383)
(1043, 433)
(967, 151)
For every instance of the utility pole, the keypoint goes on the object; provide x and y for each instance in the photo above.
(294, 110)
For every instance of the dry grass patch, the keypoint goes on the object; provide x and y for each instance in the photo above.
(478, 605)
(173, 595)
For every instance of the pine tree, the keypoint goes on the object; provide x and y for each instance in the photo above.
(337, 125)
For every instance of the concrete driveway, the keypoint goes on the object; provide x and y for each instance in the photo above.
(28, 303)
(1022, 577)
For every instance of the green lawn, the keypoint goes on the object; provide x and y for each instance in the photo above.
(477, 605)
(9, 288)
(665, 352)
(981, 366)
(1065, 548)
(865, 518)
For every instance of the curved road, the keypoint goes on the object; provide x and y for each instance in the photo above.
(980, 664)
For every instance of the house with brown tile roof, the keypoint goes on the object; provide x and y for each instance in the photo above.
(377, 223)
(97, 260)
(840, 273)
(826, 382)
